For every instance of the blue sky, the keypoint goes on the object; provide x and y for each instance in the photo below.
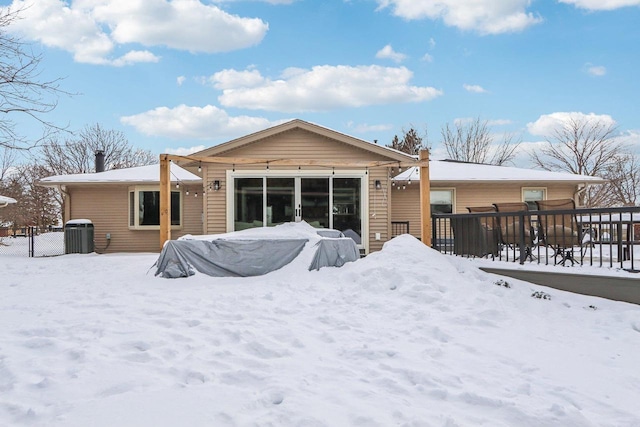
(180, 75)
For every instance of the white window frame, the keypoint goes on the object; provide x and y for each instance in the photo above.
(136, 202)
(543, 189)
(453, 195)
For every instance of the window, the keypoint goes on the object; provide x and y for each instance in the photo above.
(530, 195)
(144, 208)
(442, 201)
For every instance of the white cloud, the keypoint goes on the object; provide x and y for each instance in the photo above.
(264, 1)
(548, 123)
(428, 58)
(483, 16)
(461, 121)
(185, 151)
(387, 52)
(135, 56)
(474, 88)
(54, 24)
(601, 4)
(180, 80)
(92, 29)
(364, 127)
(631, 138)
(432, 43)
(229, 79)
(322, 88)
(499, 122)
(209, 122)
(180, 24)
(596, 70)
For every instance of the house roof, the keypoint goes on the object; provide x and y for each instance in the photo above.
(4, 201)
(139, 175)
(310, 127)
(452, 171)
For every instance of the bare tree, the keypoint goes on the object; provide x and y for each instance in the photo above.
(582, 146)
(78, 156)
(623, 186)
(22, 92)
(13, 214)
(472, 141)
(7, 161)
(40, 206)
(411, 142)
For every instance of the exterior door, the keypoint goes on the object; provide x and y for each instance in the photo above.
(281, 198)
(322, 201)
(313, 205)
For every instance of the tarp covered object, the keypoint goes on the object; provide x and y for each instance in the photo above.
(236, 258)
(335, 253)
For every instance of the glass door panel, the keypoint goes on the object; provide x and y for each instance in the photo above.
(314, 201)
(347, 215)
(248, 203)
(280, 200)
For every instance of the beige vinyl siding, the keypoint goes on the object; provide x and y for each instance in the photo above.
(215, 201)
(405, 206)
(406, 203)
(107, 206)
(299, 144)
(379, 209)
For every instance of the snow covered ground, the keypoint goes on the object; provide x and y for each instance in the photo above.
(403, 337)
(46, 244)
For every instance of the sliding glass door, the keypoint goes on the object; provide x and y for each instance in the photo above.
(281, 193)
(314, 201)
(322, 201)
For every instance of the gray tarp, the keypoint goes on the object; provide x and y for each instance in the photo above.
(254, 257)
(334, 252)
(239, 258)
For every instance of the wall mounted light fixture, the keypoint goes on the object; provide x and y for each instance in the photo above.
(216, 185)
(378, 184)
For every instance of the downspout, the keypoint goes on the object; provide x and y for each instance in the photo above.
(67, 203)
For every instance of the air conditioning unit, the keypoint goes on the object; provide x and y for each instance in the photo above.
(78, 236)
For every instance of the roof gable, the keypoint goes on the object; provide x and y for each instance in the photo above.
(222, 149)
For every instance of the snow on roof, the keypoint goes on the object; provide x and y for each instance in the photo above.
(443, 170)
(150, 173)
(4, 201)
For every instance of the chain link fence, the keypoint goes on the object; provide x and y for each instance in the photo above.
(30, 242)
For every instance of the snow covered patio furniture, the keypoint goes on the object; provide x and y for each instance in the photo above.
(255, 251)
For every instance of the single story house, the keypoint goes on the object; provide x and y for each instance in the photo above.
(290, 172)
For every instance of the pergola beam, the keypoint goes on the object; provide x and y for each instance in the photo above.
(425, 198)
(294, 162)
(165, 180)
(165, 200)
